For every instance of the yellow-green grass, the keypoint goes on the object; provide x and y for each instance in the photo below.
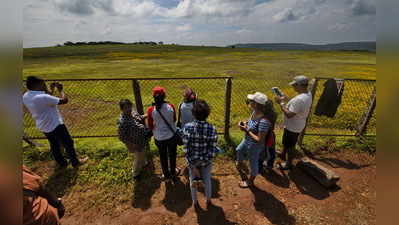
(93, 108)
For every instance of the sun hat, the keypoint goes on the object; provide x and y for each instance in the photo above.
(258, 98)
(158, 90)
(300, 80)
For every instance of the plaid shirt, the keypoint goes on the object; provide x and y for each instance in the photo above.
(200, 142)
(131, 128)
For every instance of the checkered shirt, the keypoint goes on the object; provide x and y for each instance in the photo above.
(131, 129)
(200, 142)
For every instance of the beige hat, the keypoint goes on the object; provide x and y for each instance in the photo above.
(300, 80)
(258, 98)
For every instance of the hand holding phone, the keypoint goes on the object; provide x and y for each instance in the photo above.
(277, 91)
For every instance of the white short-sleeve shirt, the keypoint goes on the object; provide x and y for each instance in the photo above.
(300, 105)
(44, 110)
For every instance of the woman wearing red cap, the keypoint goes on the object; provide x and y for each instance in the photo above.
(161, 120)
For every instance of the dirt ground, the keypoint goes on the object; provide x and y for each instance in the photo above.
(278, 198)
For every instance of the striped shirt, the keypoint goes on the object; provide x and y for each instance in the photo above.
(256, 126)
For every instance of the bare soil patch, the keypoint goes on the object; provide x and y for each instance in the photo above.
(282, 198)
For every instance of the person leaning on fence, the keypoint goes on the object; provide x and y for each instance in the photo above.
(253, 143)
(200, 146)
(268, 156)
(185, 114)
(134, 134)
(40, 206)
(161, 118)
(44, 109)
(295, 113)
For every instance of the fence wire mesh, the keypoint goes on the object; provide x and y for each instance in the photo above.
(354, 104)
(211, 90)
(93, 108)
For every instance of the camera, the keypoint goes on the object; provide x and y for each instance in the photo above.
(57, 85)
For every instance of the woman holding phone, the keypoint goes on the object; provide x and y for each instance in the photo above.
(255, 130)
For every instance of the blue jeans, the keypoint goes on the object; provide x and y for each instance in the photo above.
(252, 151)
(206, 179)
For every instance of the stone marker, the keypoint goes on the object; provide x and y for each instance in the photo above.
(324, 176)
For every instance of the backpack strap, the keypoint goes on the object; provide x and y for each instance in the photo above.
(166, 122)
(179, 113)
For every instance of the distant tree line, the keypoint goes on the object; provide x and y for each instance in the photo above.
(70, 43)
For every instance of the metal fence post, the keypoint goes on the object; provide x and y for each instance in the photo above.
(227, 109)
(368, 114)
(313, 89)
(137, 96)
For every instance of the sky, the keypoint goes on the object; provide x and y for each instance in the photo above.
(198, 22)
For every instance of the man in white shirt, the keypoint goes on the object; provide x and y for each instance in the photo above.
(295, 113)
(44, 109)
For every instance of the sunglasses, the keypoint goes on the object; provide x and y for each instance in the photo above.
(247, 101)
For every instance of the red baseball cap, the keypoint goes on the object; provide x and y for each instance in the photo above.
(158, 90)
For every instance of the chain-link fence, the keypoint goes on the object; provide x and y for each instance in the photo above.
(351, 109)
(93, 108)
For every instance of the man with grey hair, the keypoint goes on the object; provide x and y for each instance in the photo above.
(295, 113)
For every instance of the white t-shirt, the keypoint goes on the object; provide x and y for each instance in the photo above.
(44, 110)
(160, 129)
(300, 105)
(186, 115)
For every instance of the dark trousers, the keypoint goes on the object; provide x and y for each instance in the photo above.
(271, 155)
(167, 153)
(60, 136)
(289, 141)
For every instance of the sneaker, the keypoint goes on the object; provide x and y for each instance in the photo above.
(284, 166)
(81, 162)
(165, 178)
(196, 183)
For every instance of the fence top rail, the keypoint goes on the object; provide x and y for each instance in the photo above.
(141, 78)
(348, 79)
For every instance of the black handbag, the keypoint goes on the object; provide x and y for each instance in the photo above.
(177, 134)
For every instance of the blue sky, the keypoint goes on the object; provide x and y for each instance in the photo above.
(198, 22)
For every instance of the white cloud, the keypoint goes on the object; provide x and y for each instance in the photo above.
(186, 27)
(339, 27)
(203, 22)
(218, 8)
(286, 15)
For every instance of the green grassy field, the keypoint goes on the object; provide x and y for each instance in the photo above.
(105, 183)
(93, 108)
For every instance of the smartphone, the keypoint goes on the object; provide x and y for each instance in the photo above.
(242, 123)
(277, 91)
